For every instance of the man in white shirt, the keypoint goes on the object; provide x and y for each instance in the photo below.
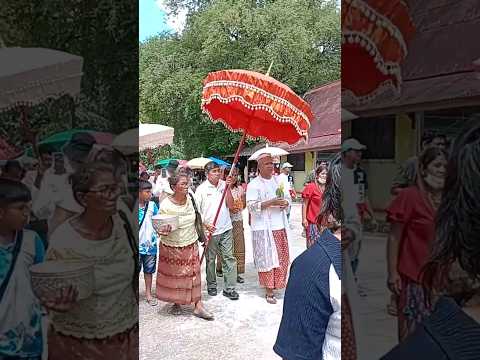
(283, 178)
(55, 194)
(33, 180)
(161, 187)
(269, 228)
(354, 195)
(208, 196)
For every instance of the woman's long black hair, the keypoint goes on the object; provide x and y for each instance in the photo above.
(332, 196)
(458, 217)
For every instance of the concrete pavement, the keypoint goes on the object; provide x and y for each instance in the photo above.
(247, 328)
(243, 329)
(379, 330)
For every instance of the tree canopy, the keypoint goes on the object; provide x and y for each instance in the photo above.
(301, 37)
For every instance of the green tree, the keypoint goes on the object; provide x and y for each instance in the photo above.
(301, 37)
(105, 34)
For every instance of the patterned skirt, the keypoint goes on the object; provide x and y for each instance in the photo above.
(277, 278)
(239, 245)
(178, 274)
(349, 347)
(412, 308)
(312, 234)
(238, 248)
(123, 346)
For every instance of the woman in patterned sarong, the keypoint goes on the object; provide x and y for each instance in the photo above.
(178, 274)
(412, 217)
(239, 204)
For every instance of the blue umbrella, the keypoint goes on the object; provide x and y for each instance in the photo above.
(220, 162)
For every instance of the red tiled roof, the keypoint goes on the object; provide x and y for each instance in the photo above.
(446, 38)
(325, 131)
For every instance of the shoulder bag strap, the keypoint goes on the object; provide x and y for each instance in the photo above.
(134, 247)
(16, 251)
(194, 204)
(198, 221)
(144, 215)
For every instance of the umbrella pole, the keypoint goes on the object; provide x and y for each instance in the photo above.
(235, 160)
(150, 157)
(26, 127)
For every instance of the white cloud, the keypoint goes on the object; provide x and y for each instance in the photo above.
(161, 5)
(177, 23)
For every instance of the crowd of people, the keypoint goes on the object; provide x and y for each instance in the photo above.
(433, 268)
(225, 253)
(432, 256)
(429, 272)
(74, 207)
(78, 207)
(267, 198)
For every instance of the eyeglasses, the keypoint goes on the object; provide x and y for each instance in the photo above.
(107, 190)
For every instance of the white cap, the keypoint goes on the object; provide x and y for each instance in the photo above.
(352, 144)
(287, 165)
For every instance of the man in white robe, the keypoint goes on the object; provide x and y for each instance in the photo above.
(269, 228)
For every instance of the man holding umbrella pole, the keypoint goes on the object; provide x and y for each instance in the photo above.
(208, 196)
(255, 118)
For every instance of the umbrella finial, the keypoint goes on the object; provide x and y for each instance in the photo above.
(269, 68)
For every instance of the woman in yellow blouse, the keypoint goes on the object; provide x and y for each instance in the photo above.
(178, 274)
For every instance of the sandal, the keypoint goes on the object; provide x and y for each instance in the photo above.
(152, 302)
(176, 310)
(203, 314)
(271, 299)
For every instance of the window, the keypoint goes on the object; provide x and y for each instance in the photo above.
(298, 161)
(449, 121)
(378, 134)
(324, 156)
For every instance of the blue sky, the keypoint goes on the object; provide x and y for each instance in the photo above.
(152, 19)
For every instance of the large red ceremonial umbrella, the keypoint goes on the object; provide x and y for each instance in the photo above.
(256, 105)
(375, 35)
